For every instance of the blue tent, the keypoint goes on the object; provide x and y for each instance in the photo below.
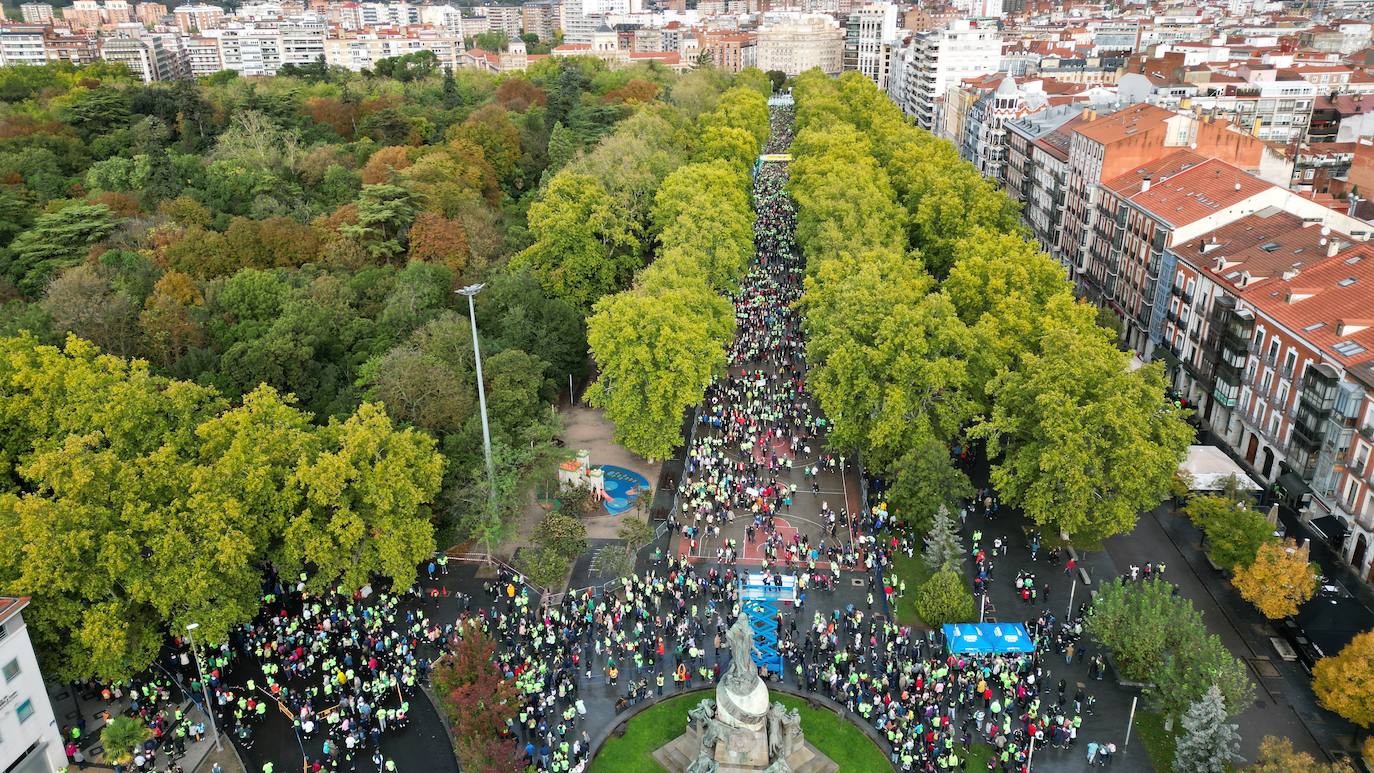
(985, 638)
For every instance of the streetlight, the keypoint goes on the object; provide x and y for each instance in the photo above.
(470, 291)
(204, 686)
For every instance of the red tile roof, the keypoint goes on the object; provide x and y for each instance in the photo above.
(1124, 123)
(1130, 183)
(1197, 192)
(1330, 305)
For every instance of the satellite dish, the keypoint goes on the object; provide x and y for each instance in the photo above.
(1326, 230)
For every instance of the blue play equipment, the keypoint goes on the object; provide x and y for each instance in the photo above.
(623, 487)
(987, 638)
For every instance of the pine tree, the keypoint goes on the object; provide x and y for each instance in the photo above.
(1208, 743)
(943, 552)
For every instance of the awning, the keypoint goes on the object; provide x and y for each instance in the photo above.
(1208, 468)
(1331, 528)
(987, 638)
(1169, 359)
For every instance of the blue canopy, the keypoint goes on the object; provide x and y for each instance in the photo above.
(985, 638)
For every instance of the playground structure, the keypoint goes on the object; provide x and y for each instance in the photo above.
(617, 487)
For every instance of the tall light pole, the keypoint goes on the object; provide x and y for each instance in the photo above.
(204, 686)
(470, 291)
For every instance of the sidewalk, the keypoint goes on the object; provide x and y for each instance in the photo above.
(70, 707)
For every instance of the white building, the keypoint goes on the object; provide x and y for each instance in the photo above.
(36, 13)
(922, 71)
(445, 17)
(195, 17)
(794, 44)
(30, 740)
(362, 50)
(150, 57)
(23, 44)
(869, 34)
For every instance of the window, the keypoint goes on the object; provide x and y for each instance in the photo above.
(24, 711)
(1351, 492)
(11, 670)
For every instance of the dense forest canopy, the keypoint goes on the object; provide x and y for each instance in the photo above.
(229, 312)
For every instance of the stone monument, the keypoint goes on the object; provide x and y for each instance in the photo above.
(740, 731)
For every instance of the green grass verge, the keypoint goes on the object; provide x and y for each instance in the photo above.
(915, 572)
(978, 756)
(1149, 728)
(633, 753)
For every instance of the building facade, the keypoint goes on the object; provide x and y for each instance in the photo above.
(30, 739)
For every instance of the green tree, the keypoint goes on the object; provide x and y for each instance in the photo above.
(565, 535)
(1234, 532)
(584, 247)
(1140, 623)
(55, 241)
(925, 480)
(1208, 744)
(943, 552)
(385, 213)
(365, 502)
(656, 355)
(945, 598)
(1085, 443)
(122, 737)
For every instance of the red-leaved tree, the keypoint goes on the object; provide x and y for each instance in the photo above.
(479, 701)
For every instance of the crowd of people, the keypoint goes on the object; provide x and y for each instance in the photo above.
(345, 668)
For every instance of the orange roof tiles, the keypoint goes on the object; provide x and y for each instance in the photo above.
(1198, 191)
(1124, 123)
(1333, 315)
(1130, 183)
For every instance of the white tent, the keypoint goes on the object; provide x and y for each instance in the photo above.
(1208, 467)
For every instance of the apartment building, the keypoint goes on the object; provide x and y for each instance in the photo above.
(921, 71)
(150, 57)
(23, 44)
(869, 34)
(30, 739)
(1037, 169)
(36, 13)
(505, 19)
(196, 17)
(540, 18)
(796, 43)
(360, 50)
(1106, 147)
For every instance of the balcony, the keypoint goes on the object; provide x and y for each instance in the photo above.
(1171, 316)
(1187, 298)
(1175, 290)
(1286, 373)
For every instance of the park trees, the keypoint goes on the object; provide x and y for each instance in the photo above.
(1276, 755)
(1159, 638)
(1234, 532)
(1278, 580)
(584, 246)
(1209, 744)
(943, 551)
(1084, 443)
(1344, 683)
(141, 504)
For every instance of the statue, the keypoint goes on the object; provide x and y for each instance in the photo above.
(741, 676)
(704, 763)
(775, 715)
(697, 716)
(791, 733)
(712, 732)
(779, 766)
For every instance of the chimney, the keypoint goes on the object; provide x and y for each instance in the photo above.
(1333, 247)
(1354, 204)
(1145, 184)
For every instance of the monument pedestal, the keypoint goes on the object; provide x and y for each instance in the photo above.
(739, 731)
(678, 753)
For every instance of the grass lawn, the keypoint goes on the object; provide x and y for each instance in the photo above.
(1149, 728)
(978, 756)
(633, 753)
(915, 572)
